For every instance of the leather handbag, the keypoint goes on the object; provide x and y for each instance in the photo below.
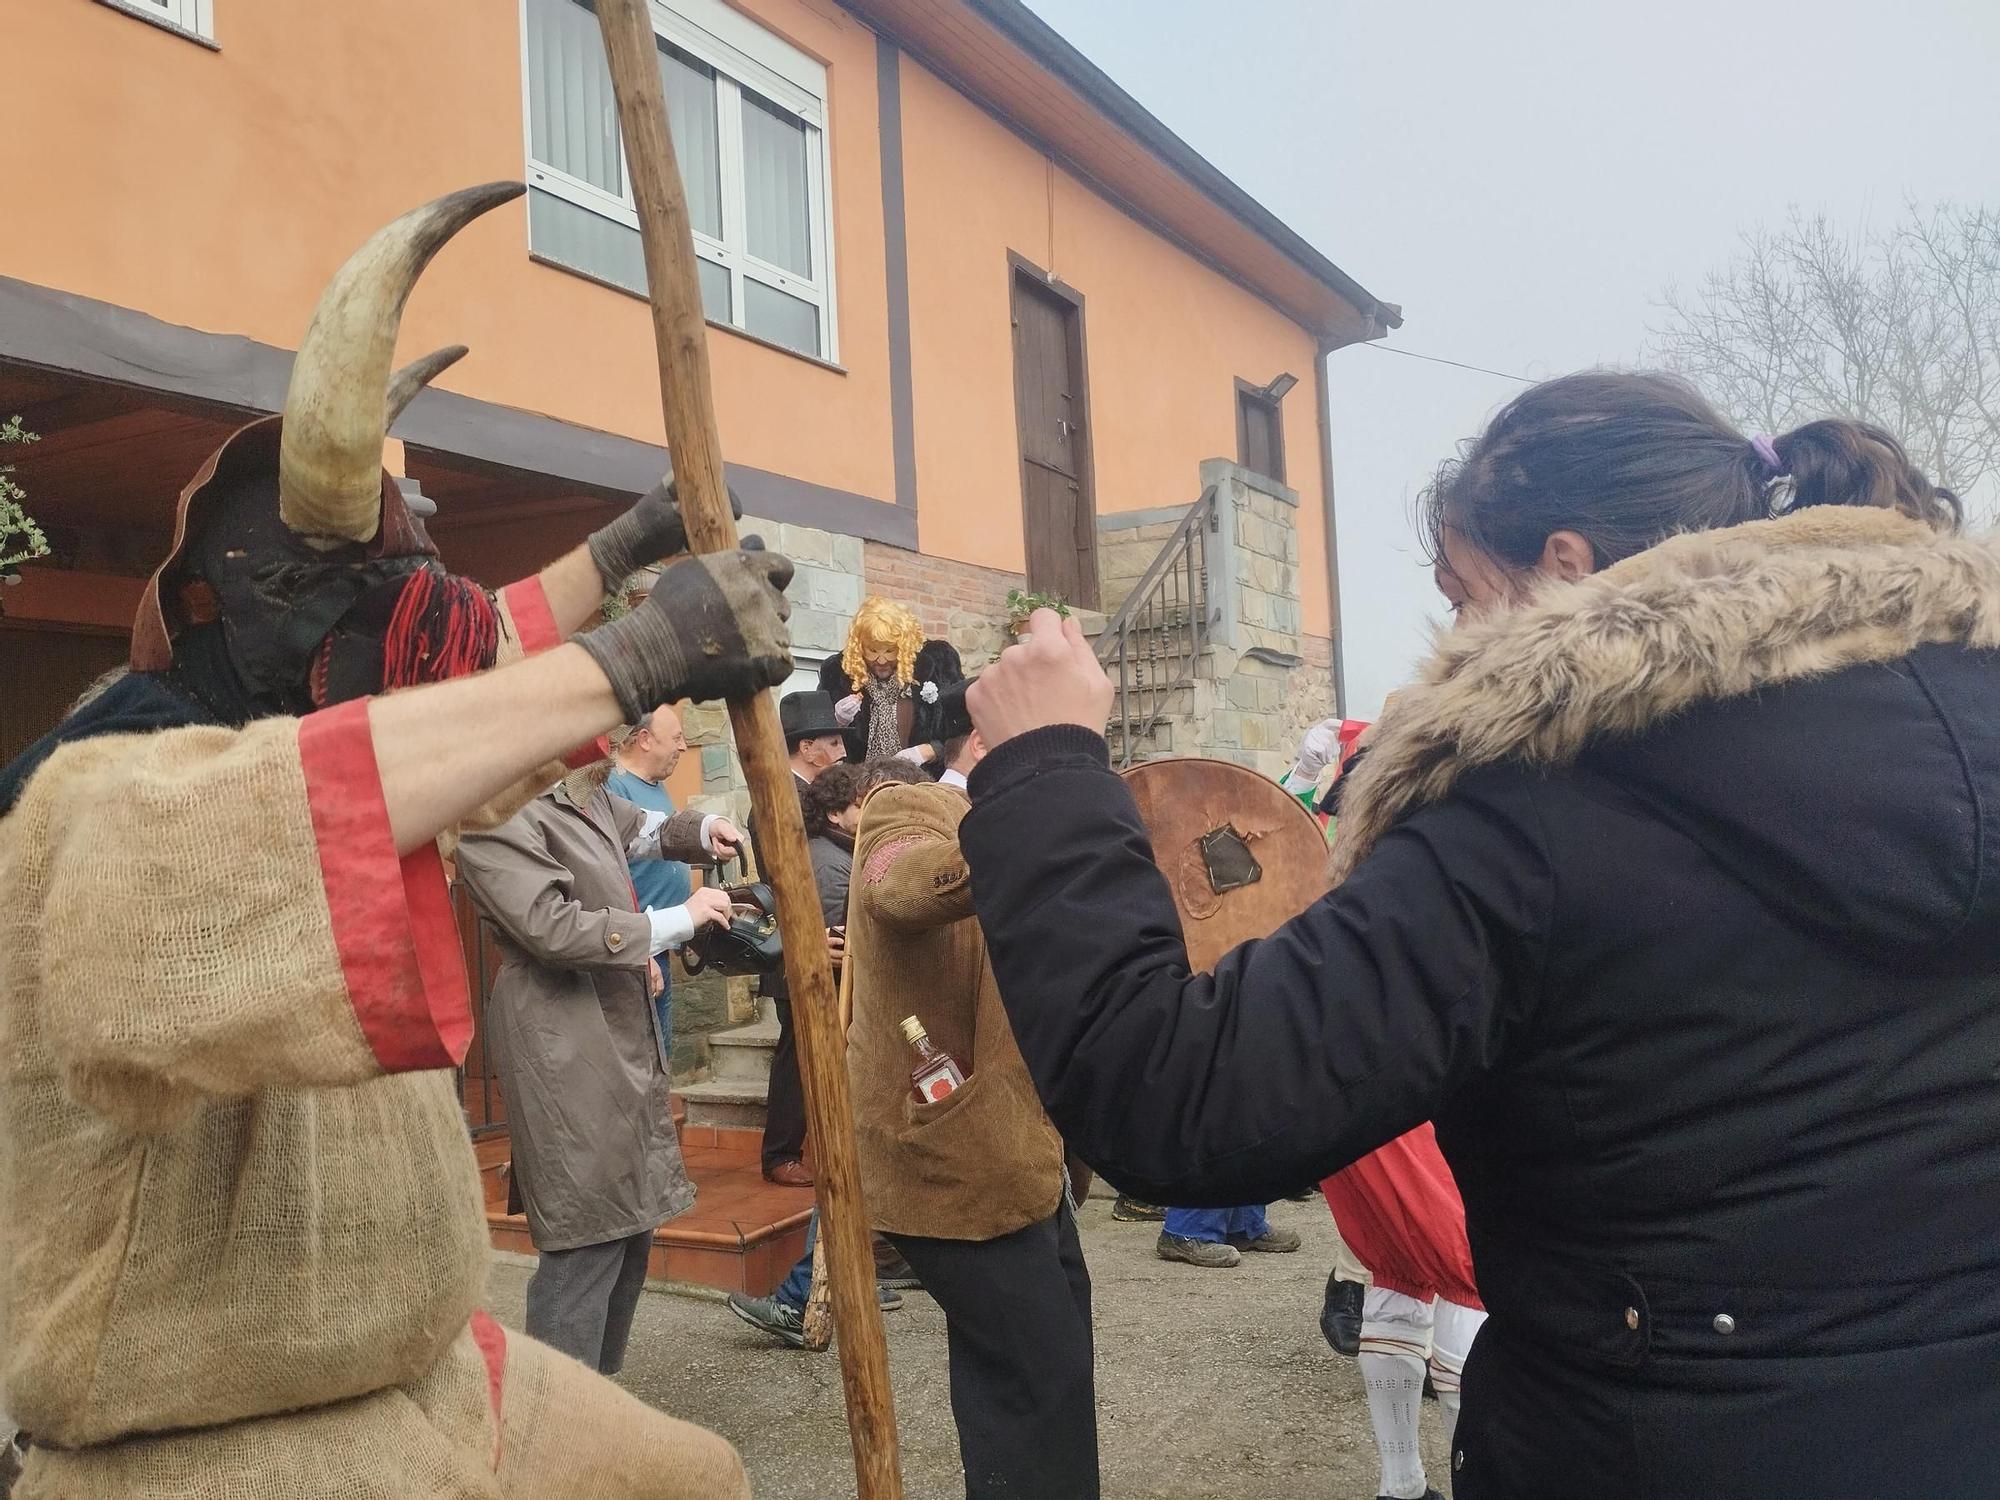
(749, 943)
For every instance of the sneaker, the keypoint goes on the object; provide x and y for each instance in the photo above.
(1205, 1253)
(785, 1324)
(1132, 1211)
(887, 1297)
(1428, 1494)
(1340, 1316)
(1270, 1242)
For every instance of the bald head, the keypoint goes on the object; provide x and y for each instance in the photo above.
(654, 745)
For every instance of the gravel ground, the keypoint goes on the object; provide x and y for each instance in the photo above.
(1211, 1385)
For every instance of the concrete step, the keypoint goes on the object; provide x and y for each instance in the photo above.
(743, 1053)
(727, 1103)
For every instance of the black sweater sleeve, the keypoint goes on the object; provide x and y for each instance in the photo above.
(1352, 1023)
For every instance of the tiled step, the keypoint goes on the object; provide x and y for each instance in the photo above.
(743, 1054)
(742, 1235)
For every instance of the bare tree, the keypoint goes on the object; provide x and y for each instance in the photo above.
(1900, 328)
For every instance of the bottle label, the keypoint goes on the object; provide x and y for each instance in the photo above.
(938, 1083)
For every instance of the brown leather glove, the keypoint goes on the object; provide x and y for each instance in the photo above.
(649, 532)
(713, 627)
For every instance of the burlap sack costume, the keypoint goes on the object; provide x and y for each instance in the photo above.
(241, 1230)
(243, 1235)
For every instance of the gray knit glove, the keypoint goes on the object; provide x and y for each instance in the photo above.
(713, 627)
(647, 533)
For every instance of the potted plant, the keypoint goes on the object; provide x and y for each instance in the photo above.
(21, 540)
(1022, 603)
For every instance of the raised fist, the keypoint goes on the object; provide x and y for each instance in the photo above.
(713, 627)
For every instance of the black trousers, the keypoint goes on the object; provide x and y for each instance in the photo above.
(785, 1106)
(1017, 1325)
(581, 1301)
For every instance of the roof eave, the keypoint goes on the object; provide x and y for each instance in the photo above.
(1042, 42)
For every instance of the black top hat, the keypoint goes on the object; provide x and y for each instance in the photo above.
(806, 716)
(954, 721)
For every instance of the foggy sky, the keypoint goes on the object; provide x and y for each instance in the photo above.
(1526, 179)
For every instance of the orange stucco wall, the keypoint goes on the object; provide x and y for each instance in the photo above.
(218, 189)
(1165, 339)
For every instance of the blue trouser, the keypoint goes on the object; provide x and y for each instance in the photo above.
(663, 1009)
(794, 1289)
(1218, 1224)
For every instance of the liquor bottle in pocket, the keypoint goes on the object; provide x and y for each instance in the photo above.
(933, 1073)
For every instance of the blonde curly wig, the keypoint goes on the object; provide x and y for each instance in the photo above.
(882, 622)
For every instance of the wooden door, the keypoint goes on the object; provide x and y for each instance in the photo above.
(1051, 404)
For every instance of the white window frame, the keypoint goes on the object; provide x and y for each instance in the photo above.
(196, 18)
(742, 54)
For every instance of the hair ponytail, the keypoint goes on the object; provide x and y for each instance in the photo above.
(1628, 460)
(1837, 462)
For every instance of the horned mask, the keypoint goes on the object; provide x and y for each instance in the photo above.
(298, 576)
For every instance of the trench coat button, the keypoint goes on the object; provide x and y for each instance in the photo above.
(1632, 1318)
(616, 940)
(1724, 1323)
(1458, 1461)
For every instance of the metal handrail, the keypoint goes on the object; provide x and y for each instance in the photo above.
(1152, 647)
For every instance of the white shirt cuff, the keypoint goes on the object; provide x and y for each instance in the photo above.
(672, 926)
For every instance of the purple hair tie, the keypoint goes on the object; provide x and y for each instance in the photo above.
(1768, 451)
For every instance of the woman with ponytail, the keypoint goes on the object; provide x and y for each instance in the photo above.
(1670, 891)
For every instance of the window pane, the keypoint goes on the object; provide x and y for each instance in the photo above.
(572, 116)
(771, 314)
(774, 186)
(714, 292)
(690, 86)
(560, 231)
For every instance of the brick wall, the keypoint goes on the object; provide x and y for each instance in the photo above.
(961, 602)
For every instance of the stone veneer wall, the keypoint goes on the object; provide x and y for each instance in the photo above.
(826, 590)
(1264, 681)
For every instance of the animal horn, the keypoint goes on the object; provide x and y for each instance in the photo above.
(339, 405)
(414, 376)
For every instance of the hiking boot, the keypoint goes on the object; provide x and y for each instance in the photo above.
(1132, 1211)
(1340, 1316)
(785, 1324)
(1270, 1242)
(891, 1270)
(1205, 1253)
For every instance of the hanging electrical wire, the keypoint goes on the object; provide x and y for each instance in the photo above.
(1454, 363)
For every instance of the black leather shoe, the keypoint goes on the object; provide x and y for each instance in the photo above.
(1340, 1317)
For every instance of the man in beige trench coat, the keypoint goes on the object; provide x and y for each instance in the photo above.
(573, 1029)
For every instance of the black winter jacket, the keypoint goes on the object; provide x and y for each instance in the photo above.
(1699, 978)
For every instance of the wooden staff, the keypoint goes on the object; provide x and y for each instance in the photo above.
(688, 404)
(818, 1327)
